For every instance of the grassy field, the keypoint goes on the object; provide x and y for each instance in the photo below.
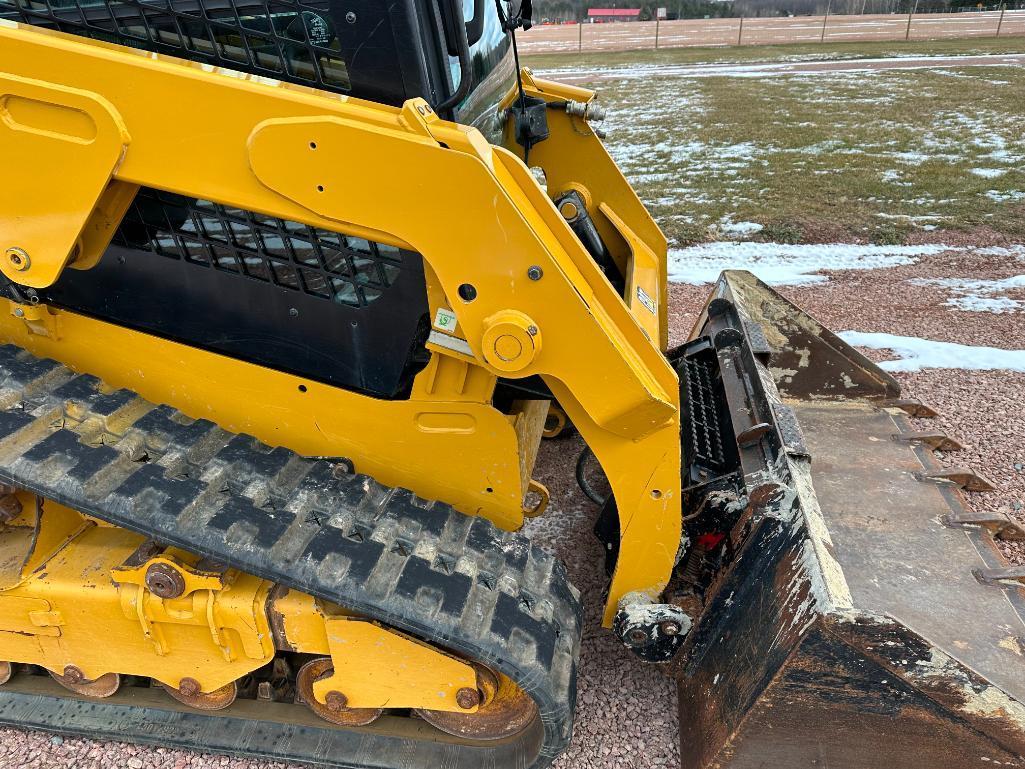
(763, 53)
(874, 156)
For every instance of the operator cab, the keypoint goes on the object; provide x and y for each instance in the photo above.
(382, 52)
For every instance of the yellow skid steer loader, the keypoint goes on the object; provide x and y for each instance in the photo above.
(290, 289)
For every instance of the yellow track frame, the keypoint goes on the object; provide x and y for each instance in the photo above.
(83, 123)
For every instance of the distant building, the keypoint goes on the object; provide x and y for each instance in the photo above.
(599, 15)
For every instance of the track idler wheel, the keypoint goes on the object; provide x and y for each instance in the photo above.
(74, 680)
(189, 693)
(505, 710)
(334, 710)
(6, 671)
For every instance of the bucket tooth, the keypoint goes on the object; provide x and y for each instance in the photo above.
(1009, 576)
(913, 408)
(1000, 525)
(963, 477)
(937, 441)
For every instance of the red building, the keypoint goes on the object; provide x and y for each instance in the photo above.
(599, 15)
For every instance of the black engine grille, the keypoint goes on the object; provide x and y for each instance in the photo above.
(283, 39)
(324, 264)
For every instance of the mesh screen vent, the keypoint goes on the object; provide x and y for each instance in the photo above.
(284, 39)
(702, 404)
(339, 268)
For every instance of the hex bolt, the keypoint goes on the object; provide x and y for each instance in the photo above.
(351, 17)
(164, 581)
(18, 258)
(189, 687)
(293, 313)
(73, 675)
(532, 330)
(637, 636)
(335, 701)
(467, 698)
(19, 313)
(670, 627)
(535, 273)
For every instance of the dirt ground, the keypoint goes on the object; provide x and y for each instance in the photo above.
(557, 38)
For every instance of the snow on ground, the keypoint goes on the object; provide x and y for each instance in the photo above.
(989, 173)
(727, 226)
(761, 70)
(980, 295)
(784, 264)
(916, 354)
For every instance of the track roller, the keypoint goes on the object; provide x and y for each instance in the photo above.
(505, 710)
(189, 693)
(74, 680)
(334, 709)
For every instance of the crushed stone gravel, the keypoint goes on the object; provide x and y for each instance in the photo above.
(626, 714)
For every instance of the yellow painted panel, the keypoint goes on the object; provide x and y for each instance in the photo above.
(378, 668)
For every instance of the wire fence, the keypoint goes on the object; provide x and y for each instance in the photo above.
(1000, 21)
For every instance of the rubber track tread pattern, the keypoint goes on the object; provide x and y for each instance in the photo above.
(308, 523)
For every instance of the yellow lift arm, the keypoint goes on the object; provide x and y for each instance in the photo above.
(398, 176)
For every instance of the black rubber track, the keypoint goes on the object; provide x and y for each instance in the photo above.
(310, 524)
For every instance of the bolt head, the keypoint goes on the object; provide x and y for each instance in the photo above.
(670, 627)
(164, 581)
(335, 701)
(350, 17)
(535, 272)
(467, 698)
(637, 636)
(18, 258)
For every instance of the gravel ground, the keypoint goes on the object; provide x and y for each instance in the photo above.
(626, 715)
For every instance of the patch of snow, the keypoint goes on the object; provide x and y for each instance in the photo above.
(912, 158)
(784, 264)
(1016, 251)
(1012, 196)
(979, 295)
(727, 226)
(989, 173)
(917, 354)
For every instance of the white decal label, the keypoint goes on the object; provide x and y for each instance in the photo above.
(445, 320)
(646, 300)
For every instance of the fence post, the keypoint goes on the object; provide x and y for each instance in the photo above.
(907, 35)
(580, 37)
(740, 34)
(656, 29)
(1003, 7)
(825, 18)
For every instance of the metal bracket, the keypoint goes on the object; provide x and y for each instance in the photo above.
(937, 441)
(962, 477)
(47, 130)
(998, 524)
(1009, 576)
